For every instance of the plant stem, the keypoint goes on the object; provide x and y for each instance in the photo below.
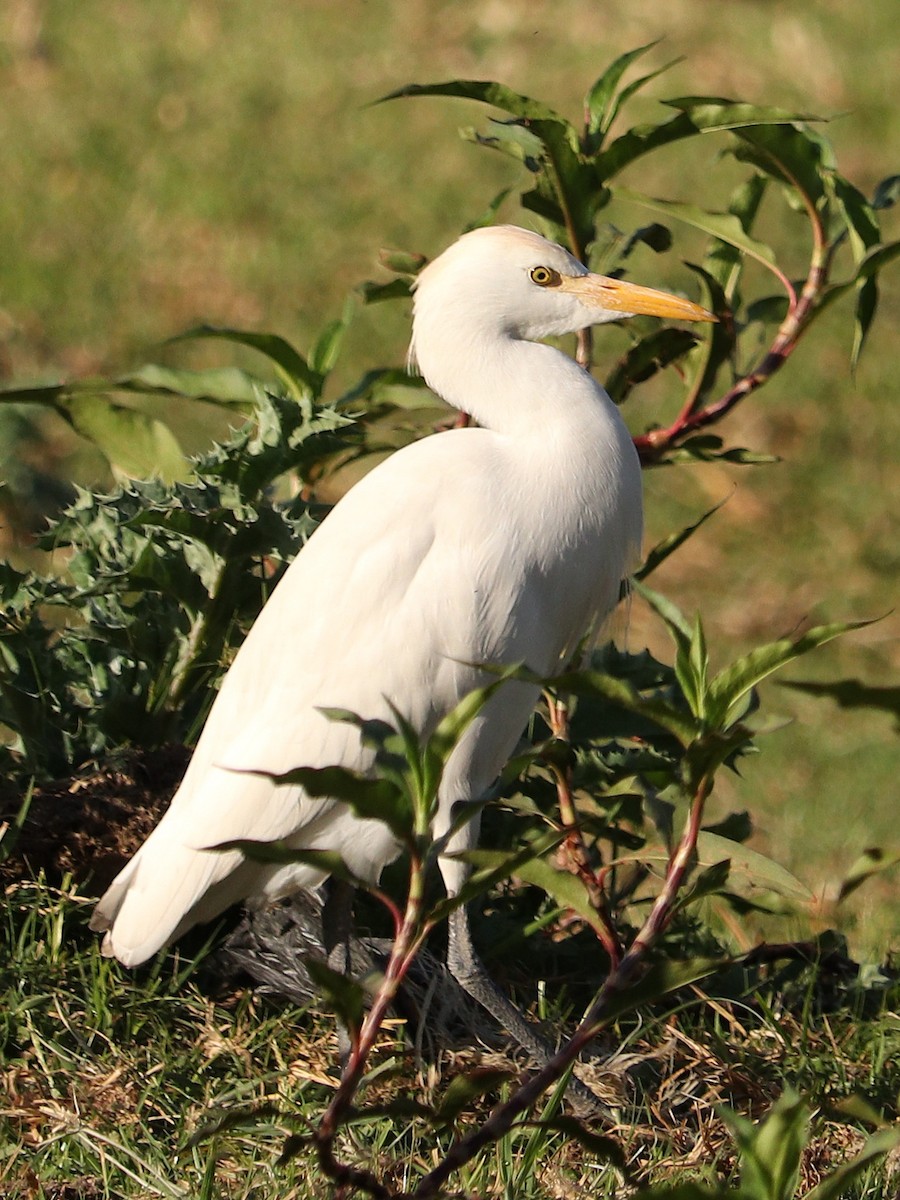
(628, 972)
(650, 446)
(405, 947)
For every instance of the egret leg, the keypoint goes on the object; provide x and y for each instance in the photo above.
(471, 974)
(337, 930)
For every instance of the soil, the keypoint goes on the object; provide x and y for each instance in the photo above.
(88, 826)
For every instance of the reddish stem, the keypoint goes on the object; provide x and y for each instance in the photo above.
(629, 970)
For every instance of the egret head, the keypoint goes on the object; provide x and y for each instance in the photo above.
(509, 281)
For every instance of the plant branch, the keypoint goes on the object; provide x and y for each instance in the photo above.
(650, 446)
(406, 945)
(573, 848)
(625, 975)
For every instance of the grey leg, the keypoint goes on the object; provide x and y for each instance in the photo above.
(471, 974)
(337, 930)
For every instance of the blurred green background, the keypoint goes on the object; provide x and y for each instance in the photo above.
(169, 162)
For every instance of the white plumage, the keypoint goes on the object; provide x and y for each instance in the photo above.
(492, 544)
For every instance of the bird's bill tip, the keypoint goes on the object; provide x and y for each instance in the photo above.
(633, 300)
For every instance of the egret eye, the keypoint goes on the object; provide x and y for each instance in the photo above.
(545, 277)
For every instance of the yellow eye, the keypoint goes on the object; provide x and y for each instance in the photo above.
(545, 277)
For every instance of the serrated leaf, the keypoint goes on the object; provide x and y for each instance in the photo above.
(732, 684)
(756, 868)
(290, 364)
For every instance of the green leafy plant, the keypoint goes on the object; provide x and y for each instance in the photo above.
(607, 804)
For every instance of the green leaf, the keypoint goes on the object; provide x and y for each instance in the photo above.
(598, 1145)
(486, 92)
(707, 447)
(513, 138)
(329, 862)
(662, 550)
(651, 354)
(566, 193)
(327, 349)
(699, 115)
(871, 862)
(601, 104)
(620, 692)
(835, 1185)
(138, 445)
(887, 193)
(723, 261)
(221, 385)
(663, 977)
(757, 869)
(403, 262)
(724, 226)
(713, 113)
(729, 687)
(374, 293)
(346, 996)
(866, 306)
(375, 799)
(568, 890)
(468, 1087)
(717, 345)
(793, 154)
(861, 222)
(771, 1152)
(301, 381)
(490, 867)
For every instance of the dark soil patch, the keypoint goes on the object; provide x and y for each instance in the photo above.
(90, 825)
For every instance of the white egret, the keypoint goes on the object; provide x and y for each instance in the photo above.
(494, 544)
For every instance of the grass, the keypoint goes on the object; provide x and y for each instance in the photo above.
(135, 1085)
